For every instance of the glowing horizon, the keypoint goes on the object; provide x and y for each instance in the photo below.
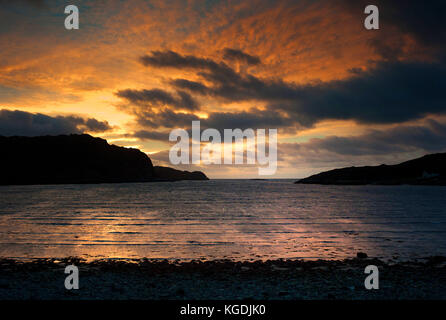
(135, 70)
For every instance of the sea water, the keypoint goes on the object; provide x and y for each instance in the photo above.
(221, 219)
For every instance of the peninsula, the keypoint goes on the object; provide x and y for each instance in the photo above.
(68, 159)
(427, 170)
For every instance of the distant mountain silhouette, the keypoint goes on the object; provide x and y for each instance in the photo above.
(427, 170)
(77, 159)
(173, 174)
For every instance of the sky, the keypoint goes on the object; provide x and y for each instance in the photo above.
(338, 94)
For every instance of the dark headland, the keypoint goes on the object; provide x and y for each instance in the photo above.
(67, 159)
(427, 170)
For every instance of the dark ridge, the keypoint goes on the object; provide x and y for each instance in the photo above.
(68, 159)
(173, 174)
(427, 170)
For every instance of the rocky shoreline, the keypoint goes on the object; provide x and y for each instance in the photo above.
(146, 279)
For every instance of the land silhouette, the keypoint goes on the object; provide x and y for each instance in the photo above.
(68, 159)
(427, 170)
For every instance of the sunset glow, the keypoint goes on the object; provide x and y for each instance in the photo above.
(138, 69)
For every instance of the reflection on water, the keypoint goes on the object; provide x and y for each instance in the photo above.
(236, 219)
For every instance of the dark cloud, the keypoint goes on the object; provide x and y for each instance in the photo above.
(151, 135)
(166, 118)
(227, 83)
(218, 72)
(390, 92)
(171, 59)
(394, 89)
(253, 118)
(158, 97)
(95, 125)
(163, 118)
(192, 86)
(20, 123)
(186, 101)
(240, 56)
(422, 21)
(34, 3)
(427, 137)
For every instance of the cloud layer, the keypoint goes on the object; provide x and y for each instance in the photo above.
(388, 92)
(339, 94)
(20, 123)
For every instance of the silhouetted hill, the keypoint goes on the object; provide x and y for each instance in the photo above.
(427, 170)
(173, 174)
(72, 159)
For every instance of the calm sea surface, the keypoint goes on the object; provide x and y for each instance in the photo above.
(236, 219)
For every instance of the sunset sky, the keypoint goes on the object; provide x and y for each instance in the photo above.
(339, 94)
